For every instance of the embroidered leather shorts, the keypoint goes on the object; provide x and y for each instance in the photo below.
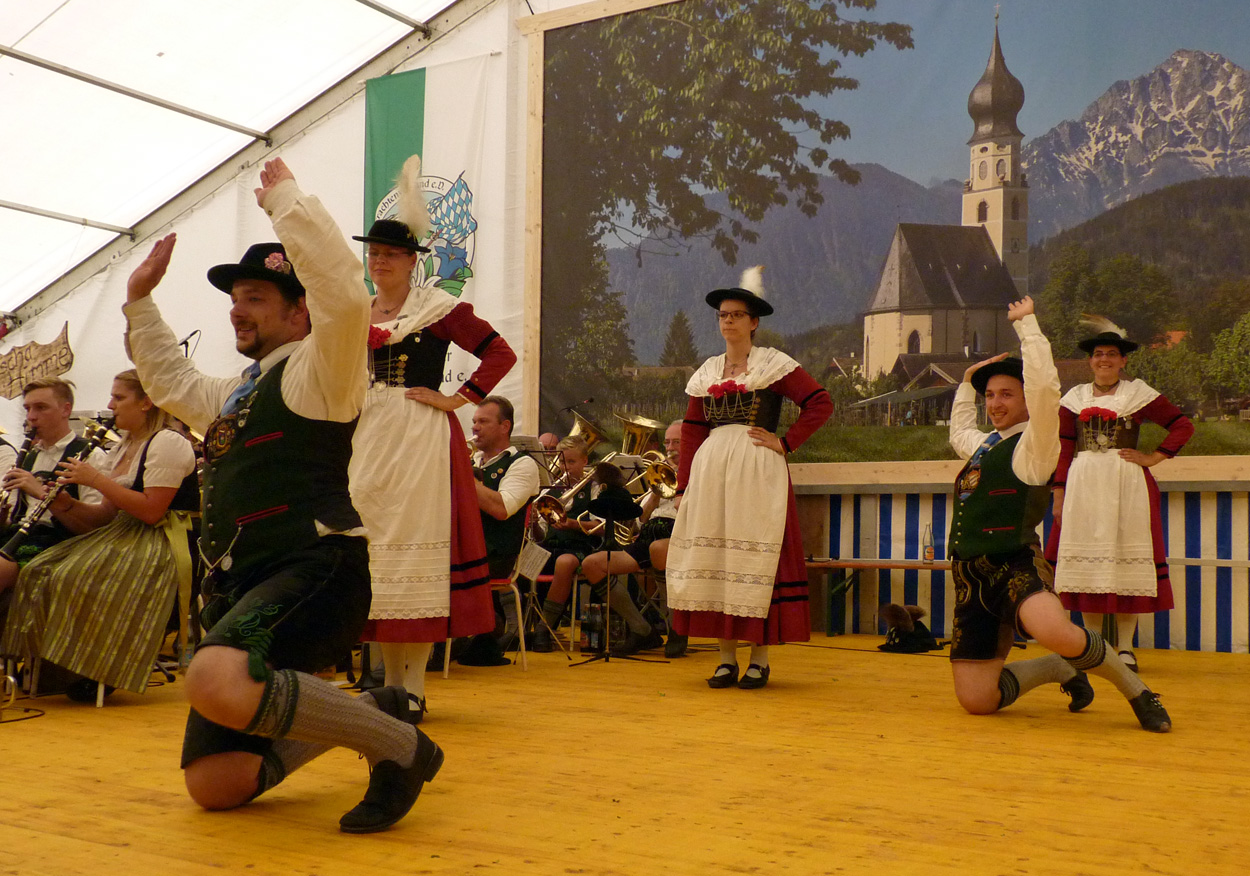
(989, 591)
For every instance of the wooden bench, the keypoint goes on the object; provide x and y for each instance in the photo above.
(849, 568)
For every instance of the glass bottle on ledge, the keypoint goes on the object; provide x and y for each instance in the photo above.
(926, 550)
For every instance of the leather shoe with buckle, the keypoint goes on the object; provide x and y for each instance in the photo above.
(754, 682)
(724, 679)
(636, 642)
(393, 790)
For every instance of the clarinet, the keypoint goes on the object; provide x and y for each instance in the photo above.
(8, 500)
(95, 434)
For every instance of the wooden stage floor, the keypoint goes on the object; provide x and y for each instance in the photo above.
(850, 762)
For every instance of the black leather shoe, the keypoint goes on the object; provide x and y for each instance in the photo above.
(416, 709)
(676, 645)
(634, 643)
(1080, 690)
(1129, 659)
(727, 679)
(542, 642)
(393, 790)
(1150, 712)
(391, 700)
(753, 682)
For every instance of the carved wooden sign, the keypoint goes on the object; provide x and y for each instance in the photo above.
(23, 364)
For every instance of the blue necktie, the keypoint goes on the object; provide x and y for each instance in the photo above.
(243, 390)
(994, 438)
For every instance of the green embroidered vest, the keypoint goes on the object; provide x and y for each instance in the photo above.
(1001, 512)
(270, 476)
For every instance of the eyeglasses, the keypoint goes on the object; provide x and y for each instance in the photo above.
(374, 255)
(731, 315)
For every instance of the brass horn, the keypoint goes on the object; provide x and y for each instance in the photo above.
(587, 430)
(555, 509)
(638, 432)
(659, 477)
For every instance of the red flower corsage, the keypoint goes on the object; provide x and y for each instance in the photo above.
(378, 337)
(729, 387)
(1088, 414)
(277, 263)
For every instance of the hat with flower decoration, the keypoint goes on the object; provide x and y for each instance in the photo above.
(262, 261)
(750, 291)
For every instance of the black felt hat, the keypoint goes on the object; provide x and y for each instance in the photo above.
(1107, 339)
(262, 261)
(392, 232)
(1011, 366)
(750, 292)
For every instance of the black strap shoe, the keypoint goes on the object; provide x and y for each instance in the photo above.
(1080, 690)
(754, 682)
(393, 790)
(724, 679)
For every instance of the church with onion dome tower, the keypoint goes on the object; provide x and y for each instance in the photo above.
(944, 289)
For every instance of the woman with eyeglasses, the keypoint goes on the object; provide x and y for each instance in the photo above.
(410, 474)
(1107, 539)
(735, 561)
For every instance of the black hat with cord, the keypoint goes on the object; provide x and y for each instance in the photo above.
(1010, 367)
(1108, 334)
(750, 291)
(392, 232)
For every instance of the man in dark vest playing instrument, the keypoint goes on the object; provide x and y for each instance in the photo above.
(1003, 586)
(288, 568)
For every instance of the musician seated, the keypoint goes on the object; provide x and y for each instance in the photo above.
(49, 402)
(571, 538)
(507, 480)
(97, 604)
(648, 551)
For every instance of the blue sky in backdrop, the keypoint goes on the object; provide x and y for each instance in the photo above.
(1065, 52)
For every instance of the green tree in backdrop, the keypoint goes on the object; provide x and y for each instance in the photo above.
(645, 112)
(679, 347)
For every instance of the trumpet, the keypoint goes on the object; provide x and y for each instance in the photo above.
(8, 500)
(555, 509)
(96, 434)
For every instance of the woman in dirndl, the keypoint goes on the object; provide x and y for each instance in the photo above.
(1107, 539)
(410, 474)
(735, 561)
(98, 604)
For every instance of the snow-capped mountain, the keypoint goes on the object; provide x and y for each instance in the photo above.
(1188, 118)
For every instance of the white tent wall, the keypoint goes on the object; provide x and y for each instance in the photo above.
(327, 157)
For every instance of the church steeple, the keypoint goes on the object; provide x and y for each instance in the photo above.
(996, 193)
(996, 99)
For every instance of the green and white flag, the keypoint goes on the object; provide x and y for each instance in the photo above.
(444, 113)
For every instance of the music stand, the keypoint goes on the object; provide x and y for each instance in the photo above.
(614, 505)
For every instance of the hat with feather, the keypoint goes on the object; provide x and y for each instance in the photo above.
(1107, 334)
(750, 291)
(412, 222)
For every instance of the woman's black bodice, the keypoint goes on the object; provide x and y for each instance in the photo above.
(417, 360)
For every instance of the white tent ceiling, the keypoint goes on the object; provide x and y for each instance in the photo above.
(80, 150)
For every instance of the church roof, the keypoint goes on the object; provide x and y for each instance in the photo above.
(995, 99)
(936, 267)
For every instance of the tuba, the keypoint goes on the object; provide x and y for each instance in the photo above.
(587, 430)
(638, 432)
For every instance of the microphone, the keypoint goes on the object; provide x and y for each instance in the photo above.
(185, 344)
(584, 401)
